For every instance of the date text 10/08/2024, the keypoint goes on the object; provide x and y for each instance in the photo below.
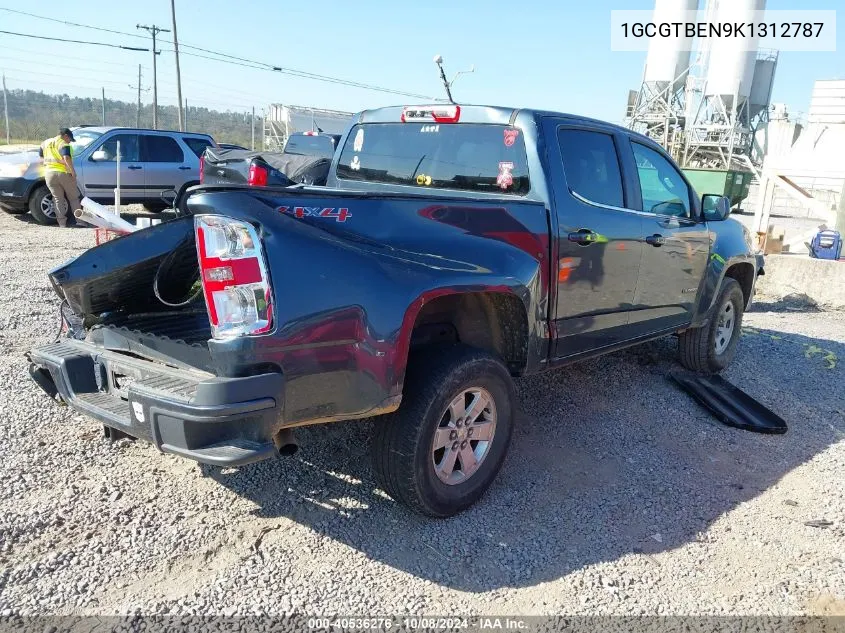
(418, 623)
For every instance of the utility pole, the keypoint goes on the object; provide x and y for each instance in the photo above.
(104, 106)
(139, 89)
(252, 124)
(6, 111)
(154, 30)
(138, 110)
(178, 75)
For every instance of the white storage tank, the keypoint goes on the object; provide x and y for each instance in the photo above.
(668, 58)
(730, 69)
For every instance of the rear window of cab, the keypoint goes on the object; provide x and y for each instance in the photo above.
(476, 157)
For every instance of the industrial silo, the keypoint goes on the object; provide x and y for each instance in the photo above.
(763, 82)
(730, 70)
(668, 57)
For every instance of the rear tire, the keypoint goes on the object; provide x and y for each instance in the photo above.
(42, 207)
(452, 393)
(711, 348)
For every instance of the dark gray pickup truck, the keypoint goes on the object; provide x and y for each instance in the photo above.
(453, 248)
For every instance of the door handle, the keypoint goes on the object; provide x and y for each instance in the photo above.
(184, 167)
(584, 237)
(134, 167)
(655, 240)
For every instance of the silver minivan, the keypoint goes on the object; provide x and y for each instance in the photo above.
(156, 166)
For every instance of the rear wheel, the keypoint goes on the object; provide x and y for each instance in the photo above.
(711, 348)
(442, 449)
(42, 207)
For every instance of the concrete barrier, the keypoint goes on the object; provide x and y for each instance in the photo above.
(820, 280)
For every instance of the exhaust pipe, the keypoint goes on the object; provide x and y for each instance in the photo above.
(285, 442)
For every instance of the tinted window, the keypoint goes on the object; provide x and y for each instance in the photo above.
(591, 166)
(319, 146)
(664, 190)
(128, 147)
(464, 156)
(161, 149)
(196, 145)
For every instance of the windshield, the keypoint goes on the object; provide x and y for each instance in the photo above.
(464, 156)
(83, 138)
(305, 145)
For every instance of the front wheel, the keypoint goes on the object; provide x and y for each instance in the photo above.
(711, 348)
(442, 449)
(42, 207)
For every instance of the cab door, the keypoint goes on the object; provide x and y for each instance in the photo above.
(676, 244)
(165, 166)
(599, 247)
(99, 172)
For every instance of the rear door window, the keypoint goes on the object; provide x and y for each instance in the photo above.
(591, 166)
(482, 158)
(160, 149)
(196, 145)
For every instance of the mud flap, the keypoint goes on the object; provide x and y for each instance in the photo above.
(729, 404)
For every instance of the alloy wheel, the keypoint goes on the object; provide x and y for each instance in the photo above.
(464, 436)
(725, 327)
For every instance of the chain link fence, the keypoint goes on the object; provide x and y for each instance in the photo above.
(34, 116)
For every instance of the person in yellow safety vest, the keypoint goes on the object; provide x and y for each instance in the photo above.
(60, 176)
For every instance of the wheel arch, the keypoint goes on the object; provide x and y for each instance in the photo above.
(741, 268)
(743, 273)
(33, 188)
(493, 320)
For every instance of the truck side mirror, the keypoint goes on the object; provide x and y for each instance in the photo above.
(715, 207)
(99, 155)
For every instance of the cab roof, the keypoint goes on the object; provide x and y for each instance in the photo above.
(496, 115)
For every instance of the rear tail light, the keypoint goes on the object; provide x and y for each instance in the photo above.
(257, 175)
(234, 277)
(202, 168)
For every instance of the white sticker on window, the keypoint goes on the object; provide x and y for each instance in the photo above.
(358, 144)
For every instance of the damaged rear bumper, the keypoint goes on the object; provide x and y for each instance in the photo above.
(219, 421)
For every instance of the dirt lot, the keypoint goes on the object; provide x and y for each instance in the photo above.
(620, 495)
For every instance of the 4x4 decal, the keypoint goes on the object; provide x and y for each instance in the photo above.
(339, 215)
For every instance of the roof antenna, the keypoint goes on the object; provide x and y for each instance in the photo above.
(438, 59)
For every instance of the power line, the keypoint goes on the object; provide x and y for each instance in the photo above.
(68, 66)
(244, 62)
(67, 41)
(51, 56)
(99, 82)
(305, 75)
(62, 84)
(67, 23)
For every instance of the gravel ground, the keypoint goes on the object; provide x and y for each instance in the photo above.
(620, 495)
